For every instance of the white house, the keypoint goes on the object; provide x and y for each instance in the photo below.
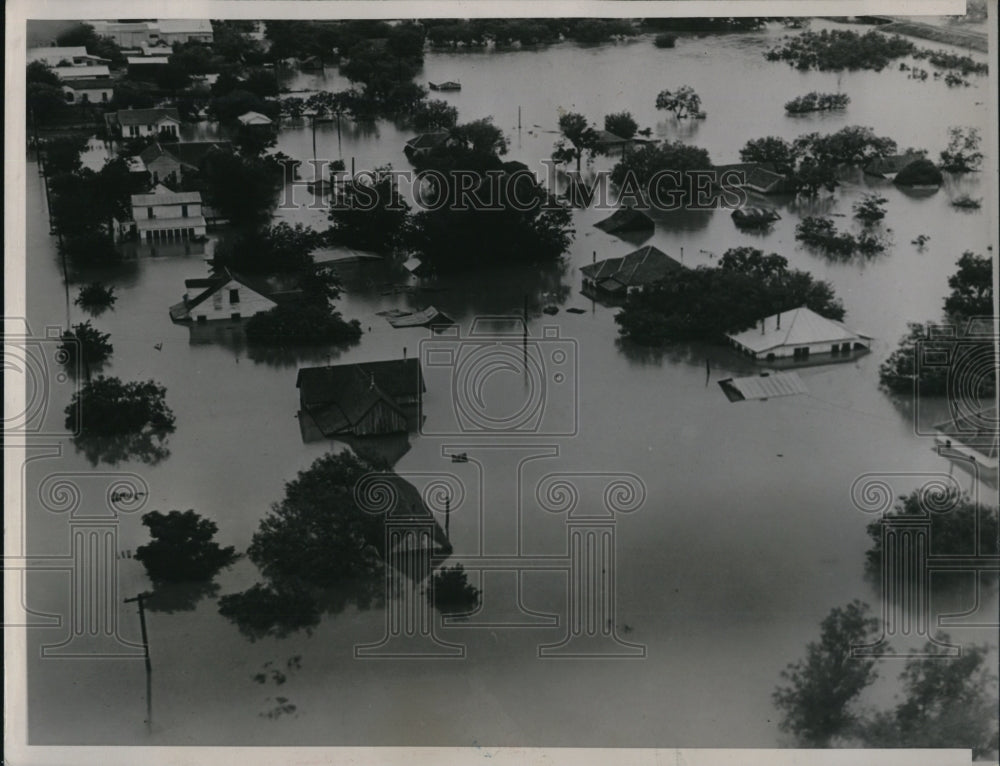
(134, 123)
(221, 298)
(800, 334)
(164, 215)
(88, 91)
(172, 31)
(96, 72)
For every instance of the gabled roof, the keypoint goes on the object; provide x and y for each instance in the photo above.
(641, 267)
(184, 26)
(798, 327)
(188, 153)
(607, 138)
(394, 377)
(147, 116)
(161, 195)
(210, 285)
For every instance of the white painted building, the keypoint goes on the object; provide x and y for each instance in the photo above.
(164, 215)
(88, 91)
(133, 34)
(66, 56)
(136, 123)
(223, 298)
(799, 334)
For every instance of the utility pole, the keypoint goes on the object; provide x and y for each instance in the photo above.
(145, 648)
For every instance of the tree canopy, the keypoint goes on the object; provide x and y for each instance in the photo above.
(182, 548)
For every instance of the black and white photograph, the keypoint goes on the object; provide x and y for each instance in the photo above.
(437, 377)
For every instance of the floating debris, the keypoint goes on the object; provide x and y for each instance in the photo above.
(763, 386)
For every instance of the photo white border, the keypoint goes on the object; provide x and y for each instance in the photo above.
(16, 749)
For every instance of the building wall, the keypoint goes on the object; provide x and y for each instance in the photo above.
(220, 306)
(163, 167)
(132, 131)
(141, 213)
(788, 352)
(89, 95)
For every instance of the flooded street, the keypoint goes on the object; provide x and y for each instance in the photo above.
(747, 535)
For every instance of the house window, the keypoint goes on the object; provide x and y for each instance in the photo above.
(202, 319)
(149, 213)
(184, 211)
(235, 316)
(104, 96)
(69, 96)
(133, 130)
(234, 296)
(85, 98)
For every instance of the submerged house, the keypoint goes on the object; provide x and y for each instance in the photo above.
(800, 335)
(224, 297)
(369, 399)
(85, 91)
(418, 146)
(758, 177)
(889, 167)
(138, 123)
(255, 120)
(167, 161)
(626, 220)
(754, 217)
(164, 215)
(615, 278)
(972, 439)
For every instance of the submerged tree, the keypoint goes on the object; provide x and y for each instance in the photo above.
(577, 138)
(622, 124)
(85, 348)
(963, 153)
(451, 592)
(95, 298)
(819, 701)
(870, 209)
(182, 548)
(682, 102)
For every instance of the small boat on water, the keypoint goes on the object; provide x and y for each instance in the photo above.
(449, 85)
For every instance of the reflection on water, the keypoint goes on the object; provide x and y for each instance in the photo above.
(747, 537)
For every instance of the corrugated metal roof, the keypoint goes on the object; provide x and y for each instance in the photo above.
(764, 386)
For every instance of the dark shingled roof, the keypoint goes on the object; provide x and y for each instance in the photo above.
(189, 153)
(394, 377)
(427, 140)
(626, 219)
(641, 267)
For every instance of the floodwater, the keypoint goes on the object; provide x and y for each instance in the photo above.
(746, 536)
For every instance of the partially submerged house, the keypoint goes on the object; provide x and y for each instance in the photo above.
(615, 278)
(758, 177)
(224, 297)
(368, 399)
(138, 123)
(168, 161)
(164, 215)
(754, 217)
(764, 386)
(418, 146)
(800, 335)
(889, 167)
(626, 220)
